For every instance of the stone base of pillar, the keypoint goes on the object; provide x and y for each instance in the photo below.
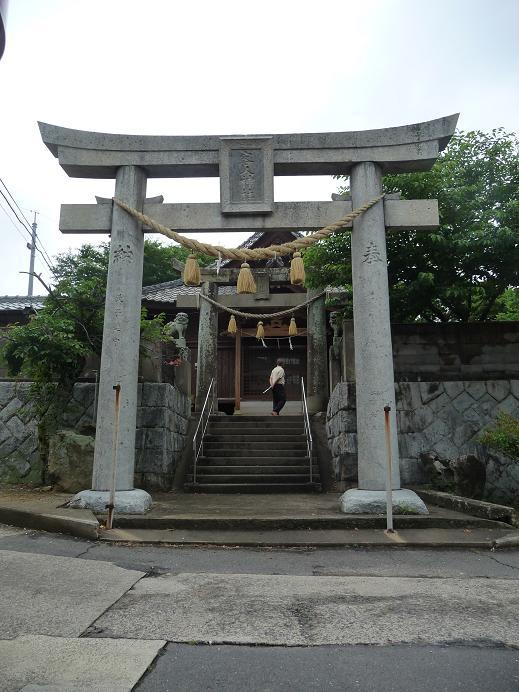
(316, 404)
(357, 501)
(126, 501)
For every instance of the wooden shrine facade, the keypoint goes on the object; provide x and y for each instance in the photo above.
(244, 363)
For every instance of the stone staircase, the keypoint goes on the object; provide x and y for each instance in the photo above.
(254, 454)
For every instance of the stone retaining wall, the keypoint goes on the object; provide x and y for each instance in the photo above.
(162, 419)
(442, 417)
(19, 456)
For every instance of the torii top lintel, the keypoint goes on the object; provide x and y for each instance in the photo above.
(84, 154)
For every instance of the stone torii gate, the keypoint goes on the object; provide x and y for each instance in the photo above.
(246, 166)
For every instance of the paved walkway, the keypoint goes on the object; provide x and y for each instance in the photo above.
(300, 520)
(264, 408)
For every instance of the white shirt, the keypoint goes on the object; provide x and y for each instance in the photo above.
(277, 376)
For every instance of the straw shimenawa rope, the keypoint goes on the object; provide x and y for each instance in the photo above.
(264, 315)
(245, 254)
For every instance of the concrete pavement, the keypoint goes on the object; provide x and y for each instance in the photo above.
(300, 611)
(35, 662)
(298, 596)
(58, 595)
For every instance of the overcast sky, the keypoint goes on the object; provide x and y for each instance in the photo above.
(206, 67)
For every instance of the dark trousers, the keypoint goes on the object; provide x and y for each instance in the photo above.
(279, 398)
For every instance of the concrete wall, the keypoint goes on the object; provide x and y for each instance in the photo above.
(162, 418)
(448, 352)
(442, 417)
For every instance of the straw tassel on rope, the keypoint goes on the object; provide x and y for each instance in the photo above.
(246, 283)
(192, 271)
(292, 329)
(231, 327)
(297, 270)
(260, 332)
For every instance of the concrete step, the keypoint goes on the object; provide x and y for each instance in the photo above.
(265, 442)
(253, 488)
(331, 519)
(257, 425)
(212, 460)
(254, 469)
(265, 432)
(263, 419)
(248, 460)
(299, 536)
(251, 451)
(232, 440)
(254, 461)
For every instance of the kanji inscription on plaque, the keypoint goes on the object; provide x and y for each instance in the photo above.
(246, 175)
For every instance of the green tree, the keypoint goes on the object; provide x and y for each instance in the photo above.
(52, 347)
(460, 271)
(158, 261)
(508, 305)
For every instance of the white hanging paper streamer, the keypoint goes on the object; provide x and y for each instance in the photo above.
(218, 264)
(290, 342)
(264, 344)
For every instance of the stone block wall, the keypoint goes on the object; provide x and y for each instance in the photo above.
(162, 419)
(19, 456)
(442, 417)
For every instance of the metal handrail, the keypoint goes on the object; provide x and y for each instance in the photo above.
(308, 432)
(199, 449)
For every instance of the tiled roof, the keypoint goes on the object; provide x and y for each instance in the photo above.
(169, 292)
(253, 239)
(21, 302)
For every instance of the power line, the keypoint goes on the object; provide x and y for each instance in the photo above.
(27, 224)
(27, 227)
(23, 226)
(13, 223)
(16, 203)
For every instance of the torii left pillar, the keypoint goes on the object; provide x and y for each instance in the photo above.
(120, 357)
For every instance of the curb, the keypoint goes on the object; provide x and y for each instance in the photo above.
(467, 505)
(509, 541)
(341, 539)
(73, 526)
(344, 523)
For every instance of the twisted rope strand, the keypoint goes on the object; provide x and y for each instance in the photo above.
(244, 254)
(262, 316)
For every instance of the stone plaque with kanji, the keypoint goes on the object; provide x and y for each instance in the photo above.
(246, 175)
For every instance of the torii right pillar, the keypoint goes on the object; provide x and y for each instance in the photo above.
(375, 387)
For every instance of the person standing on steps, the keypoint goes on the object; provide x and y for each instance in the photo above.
(277, 382)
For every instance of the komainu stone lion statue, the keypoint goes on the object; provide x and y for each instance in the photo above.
(176, 330)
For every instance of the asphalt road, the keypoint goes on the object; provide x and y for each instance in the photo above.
(80, 615)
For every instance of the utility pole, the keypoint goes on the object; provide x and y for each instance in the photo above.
(32, 247)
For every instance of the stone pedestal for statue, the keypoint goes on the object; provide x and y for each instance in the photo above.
(375, 386)
(317, 354)
(120, 355)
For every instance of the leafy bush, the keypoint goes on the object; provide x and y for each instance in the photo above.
(504, 436)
